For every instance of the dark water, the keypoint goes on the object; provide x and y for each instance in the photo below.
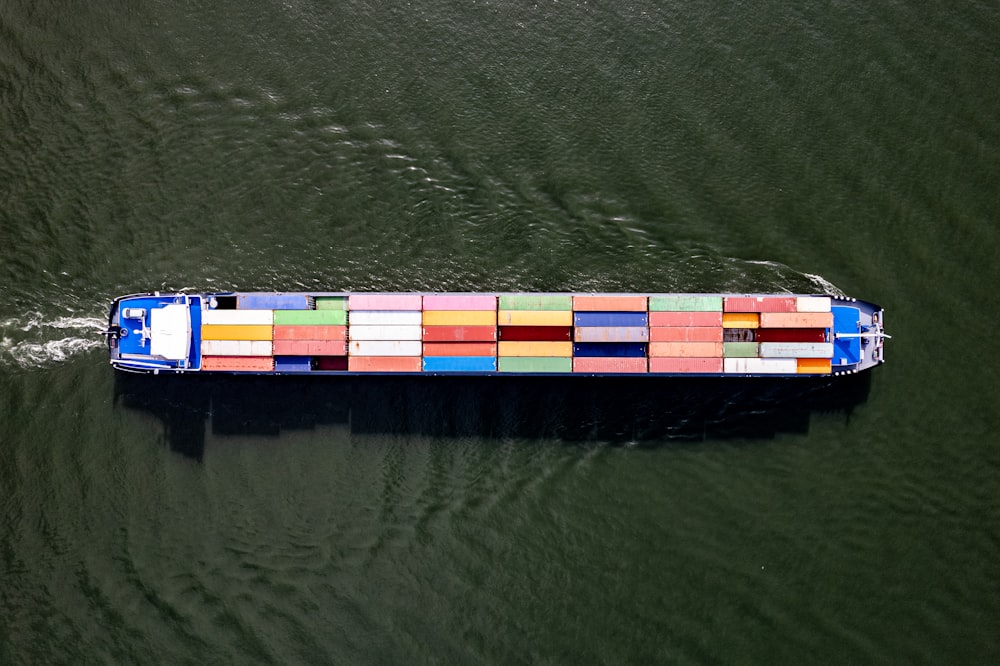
(474, 145)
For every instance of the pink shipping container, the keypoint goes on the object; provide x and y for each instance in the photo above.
(460, 302)
(759, 304)
(601, 364)
(310, 332)
(686, 349)
(685, 365)
(612, 334)
(238, 363)
(796, 320)
(685, 319)
(385, 363)
(685, 334)
(310, 348)
(629, 303)
(385, 302)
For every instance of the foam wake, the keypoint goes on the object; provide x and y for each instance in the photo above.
(36, 340)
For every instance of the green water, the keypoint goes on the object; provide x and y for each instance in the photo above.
(446, 145)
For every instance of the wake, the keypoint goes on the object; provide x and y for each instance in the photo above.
(35, 340)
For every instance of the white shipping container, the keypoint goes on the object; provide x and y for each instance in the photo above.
(385, 348)
(236, 347)
(796, 349)
(760, 365)
(812, 304)
(385, 332)
(385, 318)
(237, 317)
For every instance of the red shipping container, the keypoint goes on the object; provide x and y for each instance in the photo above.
(309, 348)
(603, 364)
(238, 363)
(685, 365)
(536, 333)
(460, 333)
(595, 303)
(685, 319)
(310, 333)
(384, 363)
(685, 334)
(759, 304)
(686, 349)
(460, 349)
(331, 363)
(791, 335)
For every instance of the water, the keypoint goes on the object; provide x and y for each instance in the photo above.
(499, 146)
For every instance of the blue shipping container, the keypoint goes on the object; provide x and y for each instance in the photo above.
(255, 301)
(609, 349)
(292, 363)
(610, 319)
(460, 363)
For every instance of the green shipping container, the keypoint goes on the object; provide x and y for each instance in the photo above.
(310, 318)
(536, 302)
(685, 303)
(331, 303)
(534, 364)
(739, 350)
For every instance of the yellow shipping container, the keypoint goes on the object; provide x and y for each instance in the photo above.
(546, 349)
(814, 366)
(535, 318)
(740, 320)
(236, 332)
(460, 318)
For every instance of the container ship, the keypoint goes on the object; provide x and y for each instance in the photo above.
(495, 334)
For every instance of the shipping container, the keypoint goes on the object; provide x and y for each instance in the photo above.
(535, 317)
(460, 349)
(460, 364)
(460, 333)
(265, 301)
(759, 304)
(386, 318)
(292, 364)
(610, 349)
(236, 348)
(791, 335)
(310, 332)
(331, 302)
(796, 349)
(239, 332)
(336, 363)
(686, 333)
(599, 364)
(355, 332)
(741, 320)
(612, 334)
(555, 349)
(238, 317)
(813, 366)
(676, 319)
(238, 363)
(796, 320)
(685, 303)
(686, 349)
(813, 304)
(385, 348)
(384, 363)
(668, 364)
(740, 349)
(310, 348)
(460, 302)
(551, 333)
(536, 302)
(609, 303)
(384, 302)
(310, 317)
(460, 318)
(534, 364)
(610, 319)
(760, 365)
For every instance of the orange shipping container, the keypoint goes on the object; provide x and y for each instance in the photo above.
(310, 332)
(821, 366)
(235, 332)
(460, 349)
(686, 349)
(685, 334)
(609, 303)
(384, 363)
(460, 333)
(685, 365)
(238, 363)
(796, 319)
(741, 320)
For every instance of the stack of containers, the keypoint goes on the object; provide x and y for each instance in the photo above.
(304, 339)
(459, 333)
(610, 334)
(789, 334)
(535, 333)
(236, 340)
(385, 333)
(685, 333)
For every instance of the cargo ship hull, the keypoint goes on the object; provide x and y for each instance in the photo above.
(495, 334)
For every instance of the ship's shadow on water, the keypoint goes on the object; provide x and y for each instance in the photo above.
(642, 410)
